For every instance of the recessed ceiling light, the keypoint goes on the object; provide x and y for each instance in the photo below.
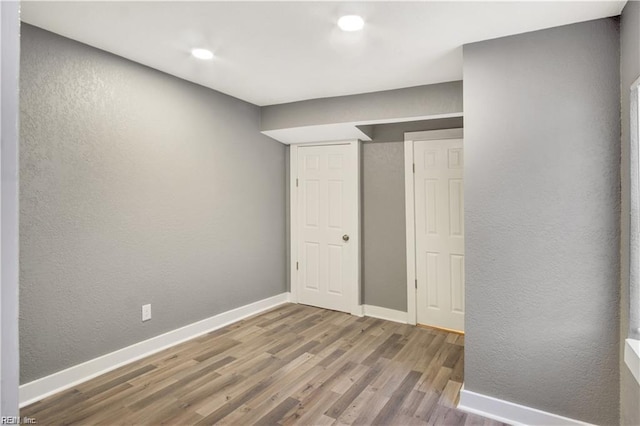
(202, 53)
(351, 23)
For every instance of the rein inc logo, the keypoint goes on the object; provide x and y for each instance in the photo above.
(15, 420)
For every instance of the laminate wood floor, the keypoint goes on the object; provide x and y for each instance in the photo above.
(294, 365)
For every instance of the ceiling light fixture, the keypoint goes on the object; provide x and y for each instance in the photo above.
(351, 23)
(204, 54)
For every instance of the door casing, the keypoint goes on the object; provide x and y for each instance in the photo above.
(409, 139)
(354, 272)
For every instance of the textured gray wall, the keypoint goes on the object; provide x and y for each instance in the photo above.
(136, 187)
(384, 257)
(9, 61)
(629, 72)
(542, 150)
(432, 99)
(394, 132)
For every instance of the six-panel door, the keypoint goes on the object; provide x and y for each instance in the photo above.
(439, 207)
(327, 197)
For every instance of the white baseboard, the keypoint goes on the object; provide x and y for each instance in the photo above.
(508, 412)
(385, 313)
(65, 379)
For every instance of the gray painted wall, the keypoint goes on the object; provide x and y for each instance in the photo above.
(136, 187)
(9, 63)
(444, 98)
(629, 72)
(384, 257)
(393, 132)
(542, 148)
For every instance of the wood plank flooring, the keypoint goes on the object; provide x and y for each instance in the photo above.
(294, 365)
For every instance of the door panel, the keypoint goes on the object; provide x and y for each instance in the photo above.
(335, 260)
(312, 203)
(439, 205)
(311, 260)
(327, 209)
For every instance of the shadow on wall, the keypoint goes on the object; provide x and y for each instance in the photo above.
(394, 132)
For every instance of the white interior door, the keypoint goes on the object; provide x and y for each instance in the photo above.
(439, 229)
(327, 218)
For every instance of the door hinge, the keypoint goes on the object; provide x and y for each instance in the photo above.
(296, 182)
(414, 167)
(416, 284)
(296, 266)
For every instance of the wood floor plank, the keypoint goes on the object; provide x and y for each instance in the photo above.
(428, 405)
(434, 346)
(200, 398)
(183, 416)
(281, 390)
(381, 349)
(282, 314)
(218, 349)
(334, 356)
(449, 396)
(413, 351)
(474, 420)
(167, 374)
(411, 403)
(275, 415)
(292, 365)
(457, 374)
(343, 383)
(392, 407)
(254, 391)
(118, 380)
(54, 404)
(104, 417)
(337, 408)
(431, 371)
(170, 390)
(370, 410)
(321, 383)
(233, 404)
(283, 386)
(312, 414)
(455, 352)
(447, 416)
(81, 412)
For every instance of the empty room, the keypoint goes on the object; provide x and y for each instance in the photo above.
(317, 212)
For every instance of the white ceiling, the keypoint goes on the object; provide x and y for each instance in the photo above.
(276, 52)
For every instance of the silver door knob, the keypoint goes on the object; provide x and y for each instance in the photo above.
(345, 237)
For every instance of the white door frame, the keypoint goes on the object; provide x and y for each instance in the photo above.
(409, 139)
(355, 293)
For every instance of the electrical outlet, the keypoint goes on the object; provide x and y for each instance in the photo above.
(146, 312)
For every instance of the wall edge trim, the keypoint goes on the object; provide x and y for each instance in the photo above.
(509, 412)
(385, 313)
(46, 386)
